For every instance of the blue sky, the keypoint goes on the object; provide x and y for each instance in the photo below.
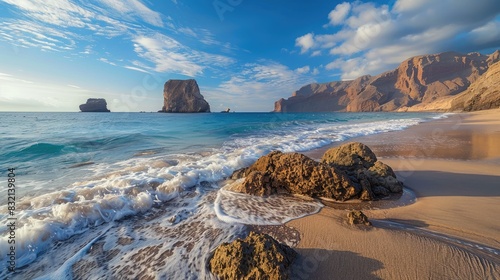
(244, 54)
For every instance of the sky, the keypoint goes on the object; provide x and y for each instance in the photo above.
(244, 54)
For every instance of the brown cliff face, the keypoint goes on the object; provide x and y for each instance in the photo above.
(483, 94)
(417, 81)
(183, 96)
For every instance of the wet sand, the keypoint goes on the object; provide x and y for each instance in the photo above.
(451, 231)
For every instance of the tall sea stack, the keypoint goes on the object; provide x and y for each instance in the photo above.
(183, 96)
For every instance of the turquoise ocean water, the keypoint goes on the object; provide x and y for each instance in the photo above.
(87, 175)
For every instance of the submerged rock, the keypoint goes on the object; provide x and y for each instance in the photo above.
(94, 105)
(357, 217)
(294, 173)
(258, 256)
(361, 165)
(183, 96)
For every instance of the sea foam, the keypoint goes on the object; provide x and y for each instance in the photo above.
(138, 186)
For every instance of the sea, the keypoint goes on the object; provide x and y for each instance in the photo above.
(138, 195)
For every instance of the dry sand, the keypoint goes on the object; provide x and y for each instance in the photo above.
(452, 231)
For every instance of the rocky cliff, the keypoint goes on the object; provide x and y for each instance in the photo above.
(183, 96)
(95, 105)
(418, 81)
(482, 94)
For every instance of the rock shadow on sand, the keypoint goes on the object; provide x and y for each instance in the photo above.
(317, 264)
(463, 184)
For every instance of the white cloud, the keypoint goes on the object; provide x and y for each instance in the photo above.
(135, 8)
(339, 14)
(303, 70)
(374, 38)
(168, 55)
(305, 42)
(105, 60)
(316, 53)
(18, 94)
(256, 86)
(315, 71)
(136, 69)
(30, 34)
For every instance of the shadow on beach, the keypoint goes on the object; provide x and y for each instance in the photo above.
(317, 264)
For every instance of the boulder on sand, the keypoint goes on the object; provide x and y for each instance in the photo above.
(294, 173)
(258, 256)
(361, 165)
(348, 171)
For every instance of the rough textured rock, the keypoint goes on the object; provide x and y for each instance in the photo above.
(418, 80)
(483, 94)
(295, 173)
(361, 165)
(183, 96)
(357, 217)
(258, 256)
(95, 105)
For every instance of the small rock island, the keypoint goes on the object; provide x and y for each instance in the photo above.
(183, 96)
(95, 105)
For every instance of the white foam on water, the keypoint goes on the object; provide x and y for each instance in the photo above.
(135, 186)
(232, 207)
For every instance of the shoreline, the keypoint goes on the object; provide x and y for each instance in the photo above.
(453, 167)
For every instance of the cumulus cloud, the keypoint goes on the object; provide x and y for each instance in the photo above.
(305, 42)
(340, 13)
(303, 70)
(371, 38)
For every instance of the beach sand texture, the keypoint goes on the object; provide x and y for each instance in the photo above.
(452, 231)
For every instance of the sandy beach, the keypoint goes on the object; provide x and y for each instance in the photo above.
(452, 166)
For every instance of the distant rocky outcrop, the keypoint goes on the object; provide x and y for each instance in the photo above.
(258, 256)
(183, 96)
(482, 94)
(94, 105)
(345, 172)
(374, 178)
(420, 80)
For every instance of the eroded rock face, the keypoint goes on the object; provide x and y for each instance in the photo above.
(94, 105)
(362, 167)
(183, 96)
(357, 217)
(420, 80)
(294, 173)
(258, 256)
(483, 94)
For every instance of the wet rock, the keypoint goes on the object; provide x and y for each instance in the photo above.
(258, 256)
(361, 165)
(358, 218)
(294, 173)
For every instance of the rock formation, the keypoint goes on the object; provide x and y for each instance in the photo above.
(418, 80)
(294, 173)
(94, 105)
(374, 178)
(348, 171)
(357, 217)
(258, 256)
(482, 94)
(183, 96)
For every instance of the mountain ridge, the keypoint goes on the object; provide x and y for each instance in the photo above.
(417, 81)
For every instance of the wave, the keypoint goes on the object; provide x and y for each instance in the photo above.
(127, 188)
